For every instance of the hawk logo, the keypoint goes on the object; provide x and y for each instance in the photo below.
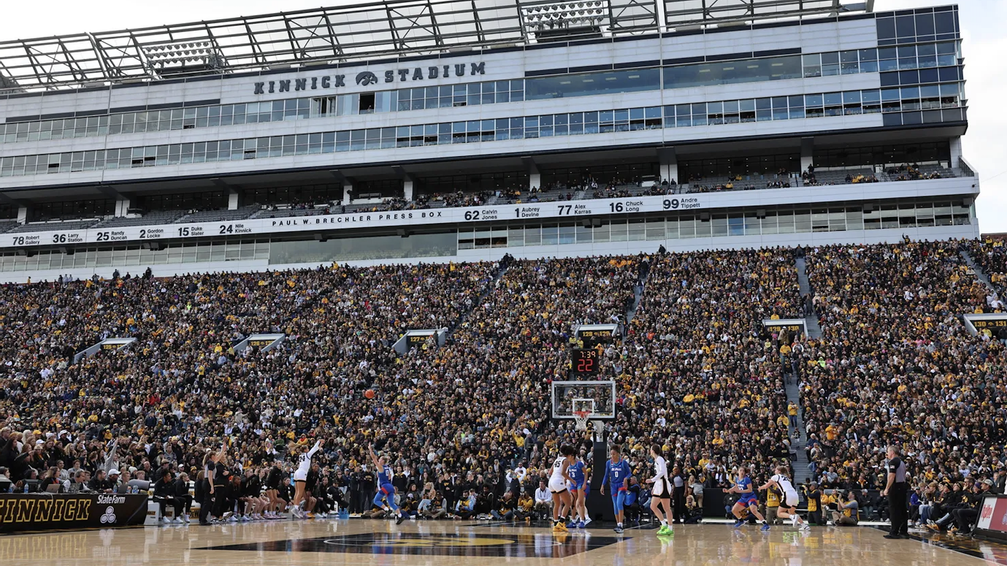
(366, 78)
(109, 517)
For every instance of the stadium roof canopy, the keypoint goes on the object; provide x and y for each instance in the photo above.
(365, 30)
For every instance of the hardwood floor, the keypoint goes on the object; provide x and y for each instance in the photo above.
(367, 542)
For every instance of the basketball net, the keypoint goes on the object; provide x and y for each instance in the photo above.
(580, 418)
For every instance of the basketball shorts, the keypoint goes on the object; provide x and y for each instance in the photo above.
(662, 489)
(557, 485)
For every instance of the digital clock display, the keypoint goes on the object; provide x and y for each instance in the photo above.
(592, 338)
(584, 361)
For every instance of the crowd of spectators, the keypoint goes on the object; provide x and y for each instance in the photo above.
(895, 365)
(991, 256)
(699, 370)
(907, 172)
(467, 424)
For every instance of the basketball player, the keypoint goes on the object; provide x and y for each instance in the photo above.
(749, 501)
(301, 477)
(562, 501)
(579, 494)
(790, 499)
(386, 491)
(661, 492)
(617, 474)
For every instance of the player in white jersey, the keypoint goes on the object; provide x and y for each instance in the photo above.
(561, 499)
(301, 477)
(661, 492)
(788, 497)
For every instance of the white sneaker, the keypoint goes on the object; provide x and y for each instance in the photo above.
(587, 521)
(185, 518)
(805, 527)
(793, 520)
(166, 520)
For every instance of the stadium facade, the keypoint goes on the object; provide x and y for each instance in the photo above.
(742, 123)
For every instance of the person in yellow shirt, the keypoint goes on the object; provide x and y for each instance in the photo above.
(831, 432)
(772, 507)
(792, 409)
(815, 501)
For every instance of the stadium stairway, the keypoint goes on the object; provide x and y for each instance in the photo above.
(502, 267)
(642, 276)
(802, 474)
(811, 321)
(976, 270)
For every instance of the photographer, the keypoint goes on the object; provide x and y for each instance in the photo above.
(814, 497)
(849, 514)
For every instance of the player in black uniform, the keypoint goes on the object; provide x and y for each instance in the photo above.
(273, 479)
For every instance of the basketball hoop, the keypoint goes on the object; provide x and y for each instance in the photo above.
(580, 417)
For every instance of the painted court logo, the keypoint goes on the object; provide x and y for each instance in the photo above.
(109, 516)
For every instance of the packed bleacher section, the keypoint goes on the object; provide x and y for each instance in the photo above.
(701, 371)
(696, 371)
(991, 256)
(895, 365)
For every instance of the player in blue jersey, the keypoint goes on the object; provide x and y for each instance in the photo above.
(386, 491)
(617, 474)
(748, 500)
(578, 490)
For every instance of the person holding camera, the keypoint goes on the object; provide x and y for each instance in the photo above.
(849, 514)
(814, 497)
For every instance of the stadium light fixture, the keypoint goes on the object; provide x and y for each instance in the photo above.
(196, 53)
(575, 16)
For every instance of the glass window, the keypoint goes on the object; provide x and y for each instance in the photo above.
(927, 55)
(946, 24)
(905, 28)
(830, 64)
(813, 65)
(868, 60)
(925, 28)
(589, 84)
(888, 59)
(850, 62)
(886, 28)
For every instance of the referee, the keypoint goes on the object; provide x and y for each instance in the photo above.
(897, 491)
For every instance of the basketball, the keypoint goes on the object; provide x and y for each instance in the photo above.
(369, 393)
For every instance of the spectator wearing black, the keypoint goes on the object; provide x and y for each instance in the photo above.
(221, 490)
(164, 493)
(99, 484)
(897, 491)
(5, 483)
(353, 487)
(965, 517)
(181, 495)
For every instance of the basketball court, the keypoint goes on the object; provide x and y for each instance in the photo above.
(379, 542)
